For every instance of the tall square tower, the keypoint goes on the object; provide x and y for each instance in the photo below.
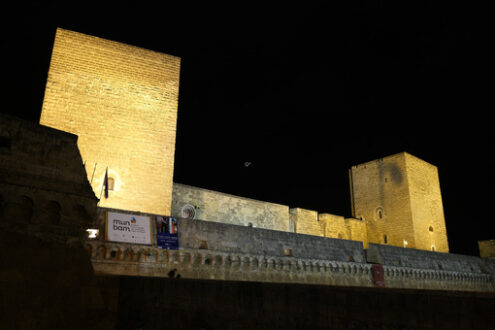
(399, 198)
(121, 101)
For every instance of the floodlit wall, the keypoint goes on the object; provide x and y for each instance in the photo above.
(487, 248)
(121, 101)
(420, 259)
(426, 205)
(337, 226)
(220, 207)
(306, 222)
(399, 198)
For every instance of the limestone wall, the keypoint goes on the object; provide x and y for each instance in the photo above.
(306, 222)
(240, 239)
(212, 250)
(426, 205)
(399, 198)
(337, 226)
(42, 178)
(420, 259)
(122, 103)
(137, 260)
(487, 248)
(220, 207)
(381, 198)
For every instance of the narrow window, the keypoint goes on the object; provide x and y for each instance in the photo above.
(379, 213)
(111, 183)
(430, 229)
(433, 248)
(385, 240)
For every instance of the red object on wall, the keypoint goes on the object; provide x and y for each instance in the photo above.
(378, 275)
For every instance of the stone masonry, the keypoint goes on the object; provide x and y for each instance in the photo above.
(121, 101)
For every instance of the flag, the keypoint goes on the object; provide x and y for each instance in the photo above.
(105, 183)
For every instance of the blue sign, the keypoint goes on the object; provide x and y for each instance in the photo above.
(167, 233)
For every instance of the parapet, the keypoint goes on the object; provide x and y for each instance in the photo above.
(43, 184)
(219, 251)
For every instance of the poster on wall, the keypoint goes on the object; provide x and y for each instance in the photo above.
(167, 233)
(129, 228)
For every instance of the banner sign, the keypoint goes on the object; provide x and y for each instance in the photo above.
(130, 228)
(166, 233)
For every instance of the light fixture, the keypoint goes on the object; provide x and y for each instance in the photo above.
(92, 233)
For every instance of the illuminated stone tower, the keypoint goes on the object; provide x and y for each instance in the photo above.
(400, 200)
(121, 101)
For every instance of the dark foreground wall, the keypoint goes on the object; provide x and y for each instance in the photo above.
(158, 303)
(47, 285)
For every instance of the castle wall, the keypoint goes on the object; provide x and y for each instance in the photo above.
(487, 248)
(220, 207)
(306, 222)
(381, 198)
(420, 259)
(42, 178)
(426, 205)
(240, 239)
(202, 304)
(337, 226)
(121, 101)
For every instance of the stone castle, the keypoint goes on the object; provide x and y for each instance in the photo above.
(119, 103)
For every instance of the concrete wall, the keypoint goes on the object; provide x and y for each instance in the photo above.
(220, 207)
(122, 103)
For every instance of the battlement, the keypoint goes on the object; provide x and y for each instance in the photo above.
(212, 250)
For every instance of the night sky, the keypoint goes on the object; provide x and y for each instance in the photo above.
(302, 92)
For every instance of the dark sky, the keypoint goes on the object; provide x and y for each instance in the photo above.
(302, 91)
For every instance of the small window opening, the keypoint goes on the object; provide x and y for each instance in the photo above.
(385, 239)
(433, 248)
(288, 252)
(430, 229)
(111, 183)
(379, 213)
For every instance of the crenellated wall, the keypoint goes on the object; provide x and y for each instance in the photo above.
(421, 259)
(212, 250)
(306, 222)
(337, 226)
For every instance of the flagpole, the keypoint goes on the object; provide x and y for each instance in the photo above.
(105, 183)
